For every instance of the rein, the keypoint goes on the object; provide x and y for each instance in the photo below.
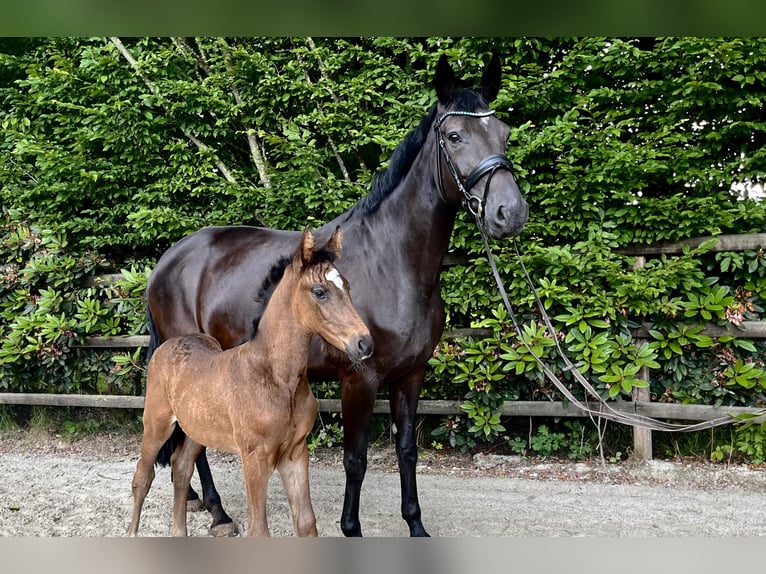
(475, 206)
(604, 410)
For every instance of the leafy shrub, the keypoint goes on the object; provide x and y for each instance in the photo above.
(46, 312)
(614, 142)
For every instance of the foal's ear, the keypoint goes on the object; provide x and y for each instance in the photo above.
(490, 80)
(305, 254)
(444, 80)
(334, 243)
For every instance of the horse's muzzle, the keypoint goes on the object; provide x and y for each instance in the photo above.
(506, 219)
(359, 348)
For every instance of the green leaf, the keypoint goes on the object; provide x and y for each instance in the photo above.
(745, 344)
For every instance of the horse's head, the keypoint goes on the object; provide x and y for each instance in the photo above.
(324, 300)
(474, 170)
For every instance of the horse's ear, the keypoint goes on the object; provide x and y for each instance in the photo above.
(334, 244)
(305, 254)
(490, 80)
(444, 80)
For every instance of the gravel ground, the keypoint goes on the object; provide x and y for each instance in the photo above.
(51, 486)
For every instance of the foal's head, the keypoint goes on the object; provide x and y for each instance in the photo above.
(323, 301)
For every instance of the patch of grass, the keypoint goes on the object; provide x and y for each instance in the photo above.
(41, 419)
(7, 419)
(71, 422)
(698, 445)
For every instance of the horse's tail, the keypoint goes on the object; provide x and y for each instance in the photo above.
(177, 438)
(154, 336)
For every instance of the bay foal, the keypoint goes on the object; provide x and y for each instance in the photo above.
(253, 399)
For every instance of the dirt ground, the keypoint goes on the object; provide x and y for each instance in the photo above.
(52, 487)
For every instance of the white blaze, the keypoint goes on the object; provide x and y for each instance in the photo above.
(334, 277)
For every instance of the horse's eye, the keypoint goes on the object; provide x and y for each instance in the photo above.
(454, 137)
(319, 292)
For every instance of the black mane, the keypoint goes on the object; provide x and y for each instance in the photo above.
(400, 162)
(385, 181)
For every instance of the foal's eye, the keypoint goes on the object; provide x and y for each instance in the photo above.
(319, 292)
(454, 137)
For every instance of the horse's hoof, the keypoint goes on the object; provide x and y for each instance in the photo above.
(194, 505)
(225, 529)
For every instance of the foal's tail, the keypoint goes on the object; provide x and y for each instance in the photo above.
(177, 438)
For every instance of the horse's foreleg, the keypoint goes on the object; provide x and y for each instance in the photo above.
(182, 463)
(257, 466)
(403, 398)
(358, 398)
(294, 471)
(222, 523)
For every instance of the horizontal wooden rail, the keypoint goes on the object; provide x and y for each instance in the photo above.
(746, 330)
(115, 342)
(743, 242)
(134, 341)
(54, 400)
(425, 407)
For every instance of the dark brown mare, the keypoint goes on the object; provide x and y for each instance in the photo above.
(395, 237)
(255, 399)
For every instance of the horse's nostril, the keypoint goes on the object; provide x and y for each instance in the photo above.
(364, 346)
(502, 216)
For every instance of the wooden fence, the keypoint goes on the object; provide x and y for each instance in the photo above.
(640, 403)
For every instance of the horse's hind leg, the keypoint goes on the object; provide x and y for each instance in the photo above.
(403, 398)
(222, 524)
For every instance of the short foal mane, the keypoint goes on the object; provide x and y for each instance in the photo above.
(274, 276)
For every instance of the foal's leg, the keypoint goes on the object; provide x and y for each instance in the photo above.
(257, 466)
(142, 482)
(157, 429)
(294, 471)
(358, 398)
(182, 463)
(403, 398)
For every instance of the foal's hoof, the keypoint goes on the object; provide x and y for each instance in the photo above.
(225, 529)
(195, 505)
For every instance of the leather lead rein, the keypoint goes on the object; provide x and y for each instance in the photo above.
(605, 410)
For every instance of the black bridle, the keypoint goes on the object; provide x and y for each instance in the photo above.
(474, 204)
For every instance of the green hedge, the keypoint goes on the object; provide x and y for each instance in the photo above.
(614, 142)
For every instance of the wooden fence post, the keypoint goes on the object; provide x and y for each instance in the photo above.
(642, 437)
